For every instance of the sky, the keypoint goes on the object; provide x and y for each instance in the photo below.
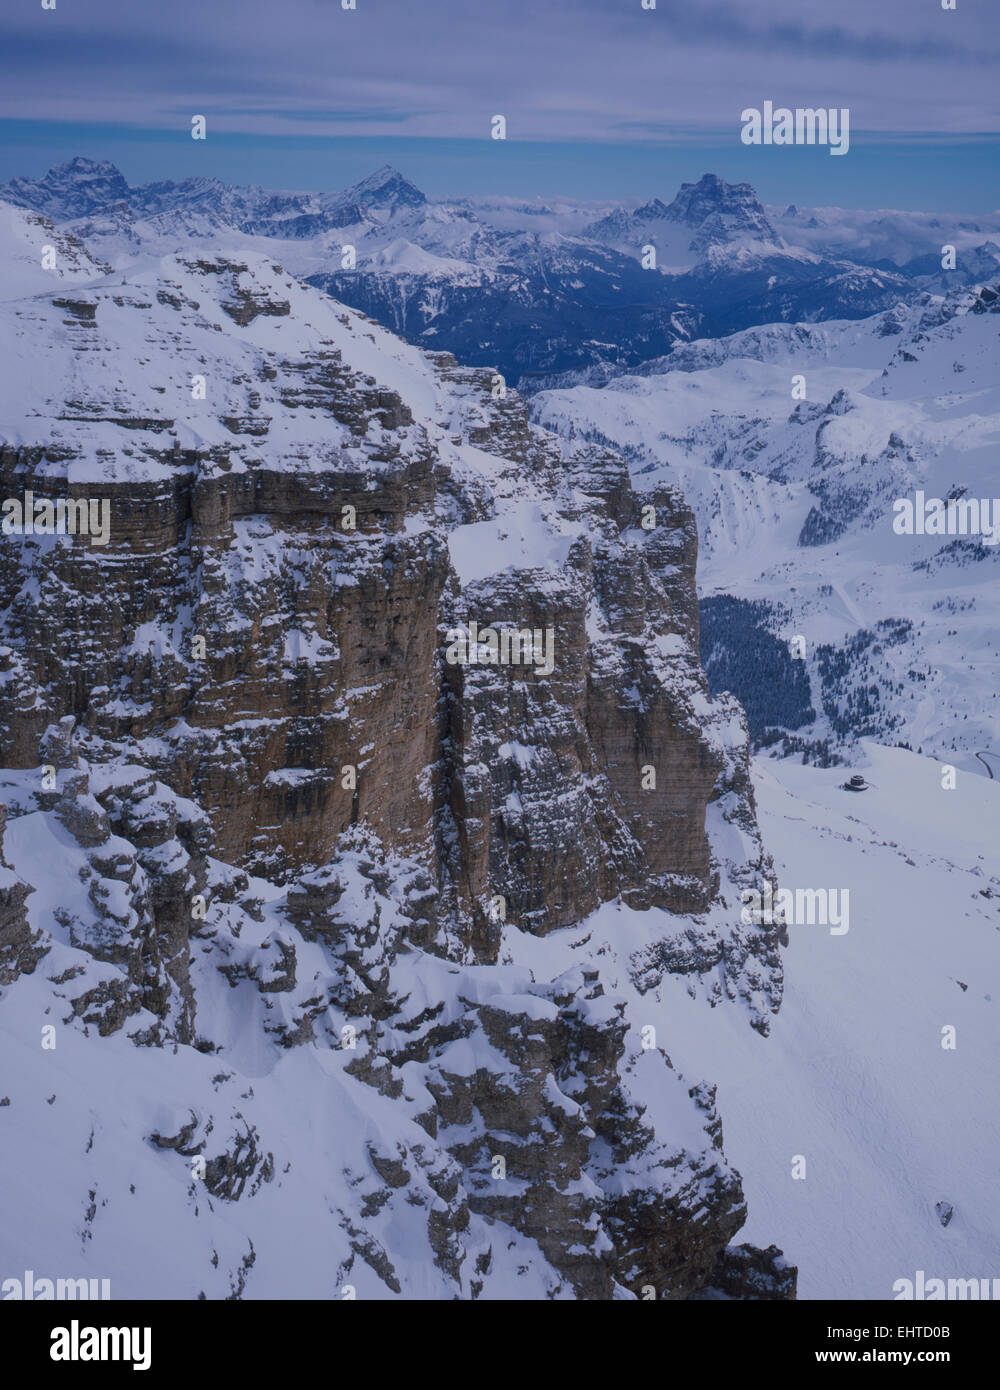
(602, 98)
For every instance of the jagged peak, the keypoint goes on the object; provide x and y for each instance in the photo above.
(385, 187)
(83, 165)
(79, 169)
(695, 201)
(72, 189)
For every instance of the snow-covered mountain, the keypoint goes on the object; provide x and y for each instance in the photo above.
(35, 254)
(708, 213)
(332, 949)
(335, 964)
(84, 187)
(70, 190)
(524, 301)
(793, 444)
(531, 289)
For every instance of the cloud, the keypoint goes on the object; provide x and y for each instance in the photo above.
(585, 69)
(906, 34)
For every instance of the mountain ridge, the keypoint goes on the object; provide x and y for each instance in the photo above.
(374, 932)
(532, 297)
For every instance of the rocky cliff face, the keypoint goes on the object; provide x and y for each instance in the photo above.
(362, 749)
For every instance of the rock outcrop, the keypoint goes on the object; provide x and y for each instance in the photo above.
(372, 713)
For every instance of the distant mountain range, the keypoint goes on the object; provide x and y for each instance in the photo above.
(533, 289)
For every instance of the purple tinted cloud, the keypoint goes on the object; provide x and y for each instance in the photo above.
(566, 68)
